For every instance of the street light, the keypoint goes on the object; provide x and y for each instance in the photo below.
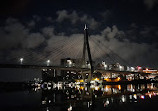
(121, 68)
(48, 62)
(21, 60)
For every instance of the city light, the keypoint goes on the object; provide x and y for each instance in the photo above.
(123, 98)
(139, 68)
(106, 103)
(135, 96)
(132, 69)
(69, 63)
(142, 96)
(96, 79)
(70, 108)
(121, 68)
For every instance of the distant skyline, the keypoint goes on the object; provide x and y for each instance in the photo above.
(38, 30)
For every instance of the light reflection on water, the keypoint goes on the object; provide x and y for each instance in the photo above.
(83, 98)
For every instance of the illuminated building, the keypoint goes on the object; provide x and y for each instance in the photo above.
(68, 62)
(150, 71)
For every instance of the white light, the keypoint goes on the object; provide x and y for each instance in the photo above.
(70, 63)
(48, 62)
(132, 69)
(130, 96)
(21, 60)
(135, 96)
(47, 109)
(121, 68)
(96, 88)
(106, 103)
(85, 27)
(88, 104)
(142, 96)
(70, 108)
(123, 98)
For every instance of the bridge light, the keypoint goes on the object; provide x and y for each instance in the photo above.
(48, 62)
(21, 60)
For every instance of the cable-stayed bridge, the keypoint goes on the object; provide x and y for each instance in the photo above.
(86, 48)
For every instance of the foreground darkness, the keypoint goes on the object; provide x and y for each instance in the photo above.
(86, 98)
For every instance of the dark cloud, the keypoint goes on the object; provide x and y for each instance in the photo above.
(48, 31)
(33, 40)
(150, 3)
(31, 23)
(12, 34)
(142, 34)
(113, 32)
(74, 17)
(15, 34)
(19, 39)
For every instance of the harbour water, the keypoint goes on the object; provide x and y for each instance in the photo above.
(72, 97)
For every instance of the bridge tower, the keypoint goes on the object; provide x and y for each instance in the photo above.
(86, 48)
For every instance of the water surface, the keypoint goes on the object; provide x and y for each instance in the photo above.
(129, 97)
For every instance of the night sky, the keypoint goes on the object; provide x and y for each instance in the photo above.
(38, 30)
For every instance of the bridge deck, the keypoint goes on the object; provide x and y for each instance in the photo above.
(84, 70)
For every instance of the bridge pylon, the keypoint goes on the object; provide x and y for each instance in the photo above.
(86, 48)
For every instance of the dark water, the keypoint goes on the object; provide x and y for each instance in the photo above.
(130, 97)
